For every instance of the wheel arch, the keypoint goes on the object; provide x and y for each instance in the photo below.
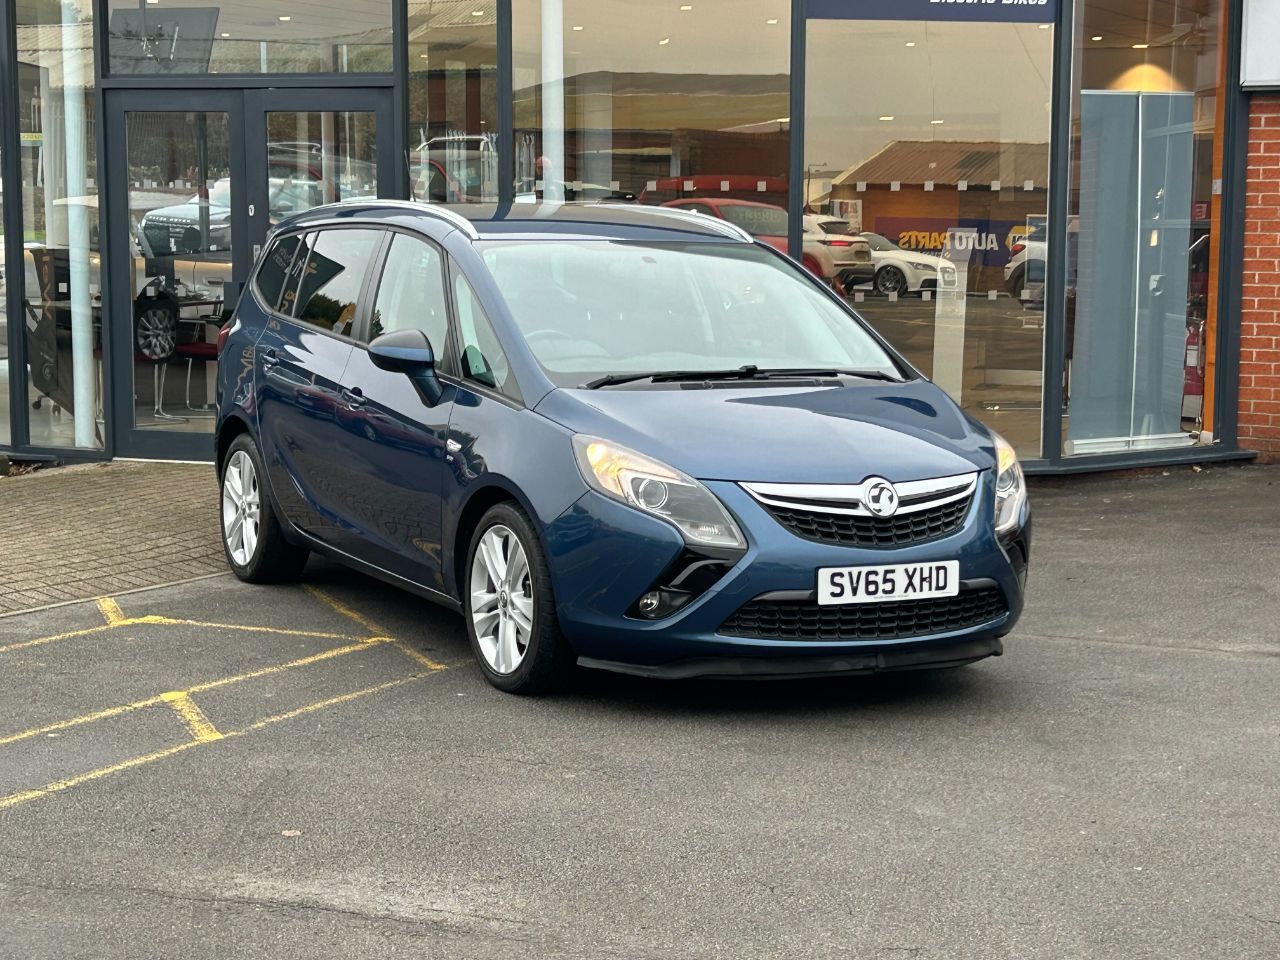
(480, 502)
(232, 427)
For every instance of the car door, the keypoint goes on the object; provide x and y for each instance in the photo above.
(395, 432)
(299, 362)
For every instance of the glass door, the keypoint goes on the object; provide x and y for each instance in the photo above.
(305, 148)
(175, 196)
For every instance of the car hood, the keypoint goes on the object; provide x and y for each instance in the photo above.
(186, 213)
(784, 434)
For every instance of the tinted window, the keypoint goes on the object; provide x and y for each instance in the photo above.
(334, 273)
(482, 358)
(275, 268)
(837, 227)
(411, 295)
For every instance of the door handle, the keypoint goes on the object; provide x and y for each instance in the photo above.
(353, 398)
(269, 360)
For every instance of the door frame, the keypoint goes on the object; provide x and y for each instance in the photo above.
(128, 440)
(246, 111)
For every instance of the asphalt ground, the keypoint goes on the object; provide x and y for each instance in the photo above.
(216, 770)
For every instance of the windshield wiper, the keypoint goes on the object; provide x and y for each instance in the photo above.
(748, 372)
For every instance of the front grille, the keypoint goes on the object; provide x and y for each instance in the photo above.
(805, 620)
(857, 531)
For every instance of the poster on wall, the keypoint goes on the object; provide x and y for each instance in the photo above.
(960, 11)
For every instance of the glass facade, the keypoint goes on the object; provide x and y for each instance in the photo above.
(1024, 199)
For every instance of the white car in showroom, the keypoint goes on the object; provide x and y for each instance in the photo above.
(907, 271)
(851, 253)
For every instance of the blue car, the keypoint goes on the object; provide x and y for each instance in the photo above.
(609, 436)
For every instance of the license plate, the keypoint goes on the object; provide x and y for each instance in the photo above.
(900, 581)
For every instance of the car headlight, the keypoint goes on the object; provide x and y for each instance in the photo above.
(921, 265)
(657, 489)
(1011, 488)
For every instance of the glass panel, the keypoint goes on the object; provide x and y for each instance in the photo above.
(330, 290)
(453, 100)
(483, 359)
(930, 194)
(1143, 216)
(62, 307)
(318, 158)
(684, 105)
(180, 198)
(411, 295)
(245, 36)
(5, 414)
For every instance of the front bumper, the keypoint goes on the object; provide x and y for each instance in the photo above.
(605, 555)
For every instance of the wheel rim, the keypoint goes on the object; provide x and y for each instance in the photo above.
(889, 281)
(241, 508)
(157, 333)
(501, 599)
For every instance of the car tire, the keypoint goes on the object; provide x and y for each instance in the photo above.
(254, 543)
(508, 601)
(889, 279)
(155, 329)
(1015, 283)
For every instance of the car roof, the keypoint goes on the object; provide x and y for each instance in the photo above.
(614, 221)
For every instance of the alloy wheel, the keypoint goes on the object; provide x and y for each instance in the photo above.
(502, 605)
(890, 280)
(156, 333)
(241, 508)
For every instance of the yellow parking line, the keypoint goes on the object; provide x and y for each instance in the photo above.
(88, 631)
(317, 634)
(77, 721)
(420, 657)
(16, 798)
(111, 611)
(280, 667)
(199, 725)
(353, 615)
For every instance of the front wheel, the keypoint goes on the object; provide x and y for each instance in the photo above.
(256, 549)
(890, 280)
(155, 329)
(510, 608)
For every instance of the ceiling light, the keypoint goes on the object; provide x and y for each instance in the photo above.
(772, 21)
(911, 43)
(579, 29)
(153, 2)
(886, 119)
(664, 41)
(936, 122)
(1141, 46)
(284, 19)
(424, 56)
(686, 7)
(1096, 39)
(477, 13)
(1045, 26)
(225, 36)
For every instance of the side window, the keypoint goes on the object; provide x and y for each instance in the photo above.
(411, 293)
(275, 270)
(482, 358)
(333, 276)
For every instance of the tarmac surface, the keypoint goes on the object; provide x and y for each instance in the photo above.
(211, 769)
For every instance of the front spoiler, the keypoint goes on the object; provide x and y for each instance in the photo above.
(851, 664)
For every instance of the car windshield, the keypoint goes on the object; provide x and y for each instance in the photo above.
(598, 308)
(761, 221)
(837, 227)
(878, 242)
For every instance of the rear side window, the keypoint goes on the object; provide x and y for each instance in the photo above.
(334, 274)
(275, 269)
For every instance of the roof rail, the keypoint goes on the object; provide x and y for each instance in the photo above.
(431, 209)
(723, 227)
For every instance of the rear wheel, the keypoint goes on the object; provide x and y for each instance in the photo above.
(510, 609)
(256, 549)
(155, 329)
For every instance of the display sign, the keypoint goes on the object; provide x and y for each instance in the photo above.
(1260, 62)
(964, 11)
(978, 242)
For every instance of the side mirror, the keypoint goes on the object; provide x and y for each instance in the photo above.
(408, 352)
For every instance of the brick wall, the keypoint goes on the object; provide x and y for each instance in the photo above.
(1260, 306)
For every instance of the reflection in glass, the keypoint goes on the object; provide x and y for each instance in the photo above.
(453, 63)
(235, 36)
(612, 104)
(930, 192)
(1143, 215)
(5, 419)
(62, 307)
(319, 157)
(180, 201)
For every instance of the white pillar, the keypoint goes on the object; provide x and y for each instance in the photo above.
(75, 67)
(553, 172)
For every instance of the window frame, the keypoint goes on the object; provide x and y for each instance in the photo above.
(255, 287)
(446, 362)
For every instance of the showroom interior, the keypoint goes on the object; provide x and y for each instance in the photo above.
(1042, 188)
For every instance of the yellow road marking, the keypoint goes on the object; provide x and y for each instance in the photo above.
(77, 721)
(14, 799)
(111, 611)
(354, 616)
(422, 658)
(199, 725)
(317, 634)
